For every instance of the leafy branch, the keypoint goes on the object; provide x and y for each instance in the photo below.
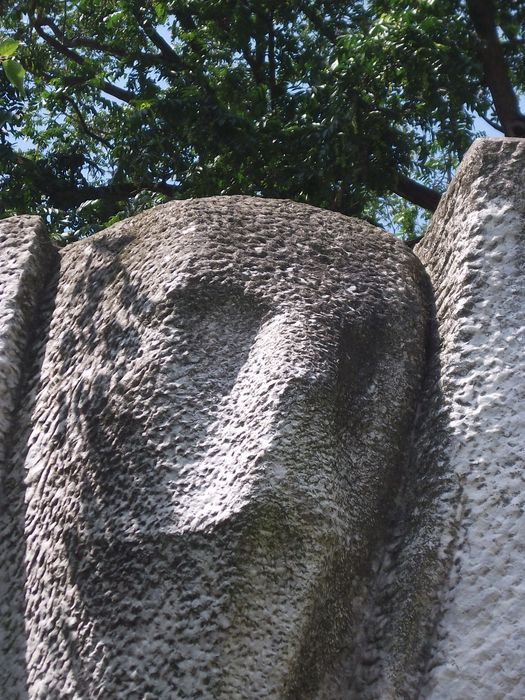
(14, 72)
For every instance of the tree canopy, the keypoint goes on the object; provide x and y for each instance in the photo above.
(364, 107)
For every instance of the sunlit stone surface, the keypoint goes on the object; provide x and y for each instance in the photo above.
(219, 429)
(475, 255)
(247, 454)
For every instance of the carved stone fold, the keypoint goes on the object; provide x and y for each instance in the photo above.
(445, 611)
(25, 259)
(475, 255)
(220, 428)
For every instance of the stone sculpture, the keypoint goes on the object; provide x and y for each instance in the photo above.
(241, 455)
(220, 422)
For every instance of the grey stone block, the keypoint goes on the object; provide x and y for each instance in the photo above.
(220, 429)
(475, 256)
(25, 262)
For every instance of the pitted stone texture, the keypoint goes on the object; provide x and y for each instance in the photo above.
(475, 255)
(458, 531)
(220, 429)
(27, 261)
(25, 253)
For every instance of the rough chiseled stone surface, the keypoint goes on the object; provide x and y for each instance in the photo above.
(217, 436)
(216, 488)
(445, 613)
(475, 255)
(27, 263)
(25, 255)
(458, 544)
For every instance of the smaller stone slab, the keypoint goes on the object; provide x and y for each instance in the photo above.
(25, 255)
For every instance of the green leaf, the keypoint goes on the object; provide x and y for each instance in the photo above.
(8, 47)
(14, 73)
(161, 11)
(114, 19)
(142, 104)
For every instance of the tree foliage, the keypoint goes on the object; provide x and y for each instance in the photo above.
(362, 107)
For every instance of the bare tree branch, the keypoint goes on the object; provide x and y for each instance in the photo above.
(105, 86)
(317, 21)
(64, 194)
(492, 123)
(272, 65)
(56, 44)
(83, 125)
(416, 193)
(109, 49)
(483, 16)
(166, 51)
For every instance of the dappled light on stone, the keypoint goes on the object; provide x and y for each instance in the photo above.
(250, 449)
